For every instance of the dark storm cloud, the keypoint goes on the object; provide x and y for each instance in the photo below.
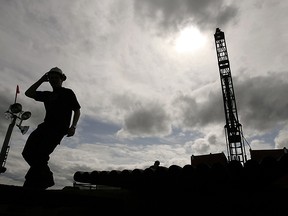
(262, 104)
(193, 114)
(262, 101)
(148, 121)
(171, 13)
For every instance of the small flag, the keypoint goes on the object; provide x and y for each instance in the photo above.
(17, 90)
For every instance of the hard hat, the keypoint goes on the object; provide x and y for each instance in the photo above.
(59, 71)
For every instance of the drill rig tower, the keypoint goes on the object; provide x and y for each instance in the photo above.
(233, 129)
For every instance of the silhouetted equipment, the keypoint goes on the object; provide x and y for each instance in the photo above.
(233, 128)
(259, 155)
(211, 173)
(209, 159)
(14, 113)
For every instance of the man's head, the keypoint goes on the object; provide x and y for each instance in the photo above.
(57, 71)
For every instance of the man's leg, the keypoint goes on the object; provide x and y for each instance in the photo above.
(36, 153)
(39, 177)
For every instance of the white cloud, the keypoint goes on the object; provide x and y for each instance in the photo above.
(281, 140)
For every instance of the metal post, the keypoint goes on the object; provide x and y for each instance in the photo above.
(5, 147)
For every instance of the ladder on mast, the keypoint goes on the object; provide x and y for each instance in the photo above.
(233, 128)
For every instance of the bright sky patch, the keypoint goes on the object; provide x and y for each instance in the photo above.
(190, 39)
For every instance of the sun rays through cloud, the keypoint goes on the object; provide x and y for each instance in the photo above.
(190, 40)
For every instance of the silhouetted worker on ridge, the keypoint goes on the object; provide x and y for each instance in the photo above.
(59, 105)
(155, 165)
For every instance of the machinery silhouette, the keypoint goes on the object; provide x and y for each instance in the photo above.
(233, 128)
(14, 113)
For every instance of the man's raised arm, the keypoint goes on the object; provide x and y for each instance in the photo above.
(30, 92)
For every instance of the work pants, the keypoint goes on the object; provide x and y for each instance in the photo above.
(39, 145)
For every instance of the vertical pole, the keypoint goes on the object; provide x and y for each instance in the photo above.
(17, 92)
(5, 147)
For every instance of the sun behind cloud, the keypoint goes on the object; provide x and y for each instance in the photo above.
(190, 39)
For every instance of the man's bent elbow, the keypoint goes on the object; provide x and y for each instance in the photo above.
(29, 94)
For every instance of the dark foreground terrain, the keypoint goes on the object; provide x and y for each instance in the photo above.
(231, 200)
(231, 189)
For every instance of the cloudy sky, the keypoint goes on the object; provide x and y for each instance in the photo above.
(145, 73)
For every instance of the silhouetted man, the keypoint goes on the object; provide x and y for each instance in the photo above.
(155, 165)
(61, 107)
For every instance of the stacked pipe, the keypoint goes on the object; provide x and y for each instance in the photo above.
(253, 173)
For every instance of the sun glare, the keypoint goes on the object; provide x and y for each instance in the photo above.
(190, 39)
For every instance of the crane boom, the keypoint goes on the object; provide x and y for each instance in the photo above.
(233, 128)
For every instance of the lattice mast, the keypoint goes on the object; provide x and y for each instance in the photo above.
(233, 129)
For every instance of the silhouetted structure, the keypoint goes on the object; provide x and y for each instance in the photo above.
(203, 175)
(259, 154)
(15, 113)
(233, 128)
(209, 159)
